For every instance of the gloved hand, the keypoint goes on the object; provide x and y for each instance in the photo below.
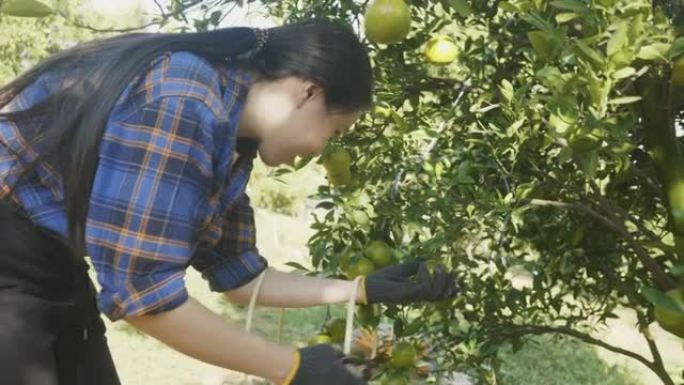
(396, 285)
(322, 364)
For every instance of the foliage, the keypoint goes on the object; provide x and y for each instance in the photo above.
(283, 192)
(24, 41)
(530, 153)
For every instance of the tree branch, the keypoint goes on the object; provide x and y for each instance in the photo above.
(647, 180)
(538, 330)
(608, 207)
(659, 366)
(164, 17)
(661, 278)
(161, 9)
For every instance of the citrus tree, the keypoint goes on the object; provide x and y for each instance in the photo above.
(530, 146)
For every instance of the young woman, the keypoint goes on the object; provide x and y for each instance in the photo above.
(136, 151)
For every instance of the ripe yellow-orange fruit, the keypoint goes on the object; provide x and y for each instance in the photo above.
(320, 339)
(441, 50)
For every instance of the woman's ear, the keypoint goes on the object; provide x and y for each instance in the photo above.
(309, 92)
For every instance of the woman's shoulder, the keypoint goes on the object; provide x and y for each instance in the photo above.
(175, 74)
(188, 67)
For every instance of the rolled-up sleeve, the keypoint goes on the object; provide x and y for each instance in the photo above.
(235, 260)
(149, 198)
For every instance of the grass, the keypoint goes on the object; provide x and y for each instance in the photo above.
(288, 326)
(548, 361)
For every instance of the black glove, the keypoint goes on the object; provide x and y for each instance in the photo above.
(394, 284)
(322, 364)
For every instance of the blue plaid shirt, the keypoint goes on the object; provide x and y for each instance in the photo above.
(167, 193)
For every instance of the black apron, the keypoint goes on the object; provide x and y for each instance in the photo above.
(51, 332)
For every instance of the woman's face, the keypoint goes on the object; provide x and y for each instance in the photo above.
(290, 118)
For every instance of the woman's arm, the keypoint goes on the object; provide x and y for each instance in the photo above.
(194, 330)
(292, 290)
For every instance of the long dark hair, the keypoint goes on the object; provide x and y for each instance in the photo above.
(72, 119)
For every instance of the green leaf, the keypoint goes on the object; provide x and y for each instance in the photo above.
(507, 6)
(565, 17)
(398, 327)
(398, 120)
(559, 125)
(303, 161)
(316, 260)
(564, 155)
(540, 43)
(506, 89)
(513, 128)
(624, 73)
(590, 53)
(296, 266)
(577, 236)
(677, 48)
(661, 300)
(413, 327)
(569, 5)
(617, 40)
(326, 205)
(281, 171)
(537, 22)
(462, 7)
(551, 77)
(215, 17)
(26, 8)
(625, 100)
(677, 271)
(589, 163)
(656, 51)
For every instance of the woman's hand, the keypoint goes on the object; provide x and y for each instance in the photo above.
(410, 282)
(322, 364)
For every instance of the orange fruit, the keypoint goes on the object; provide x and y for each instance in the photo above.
(403, 355)
(441, 50)
(340, 178)
(336, 329)
(379, 253)
(320, 339)
(387, 21)
(360, 267)
(337, 160)
(346, 258)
